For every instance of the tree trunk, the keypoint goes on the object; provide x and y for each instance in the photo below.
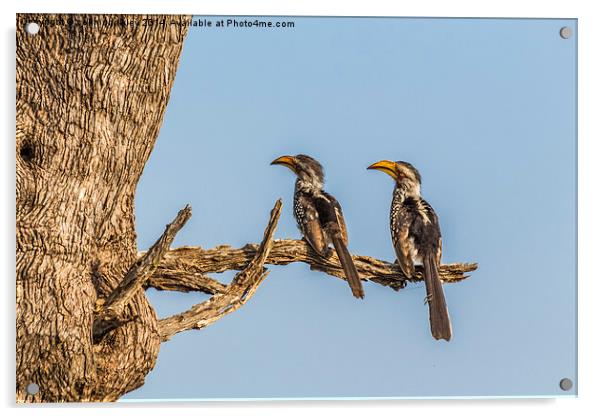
(91, 94)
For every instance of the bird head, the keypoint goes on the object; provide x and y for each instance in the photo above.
(403, 173)
(305, 167)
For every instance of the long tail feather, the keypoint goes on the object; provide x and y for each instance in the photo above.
(353, 278)
(439, 317)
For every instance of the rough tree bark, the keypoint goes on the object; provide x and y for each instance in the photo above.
(91, 94)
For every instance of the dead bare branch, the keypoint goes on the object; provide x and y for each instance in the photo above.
(183, 281)
(232, 297)
(144, 268)
(184, 269)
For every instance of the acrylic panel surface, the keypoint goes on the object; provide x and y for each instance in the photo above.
(484, 108)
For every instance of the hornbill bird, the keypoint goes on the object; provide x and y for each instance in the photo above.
(319, 215)
(417, 238)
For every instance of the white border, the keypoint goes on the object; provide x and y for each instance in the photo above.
(590, 135)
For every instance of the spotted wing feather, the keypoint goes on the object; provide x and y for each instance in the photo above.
(401, 221)
(426, 234)
(308, 222)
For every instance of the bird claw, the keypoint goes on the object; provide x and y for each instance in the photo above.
(427, 299)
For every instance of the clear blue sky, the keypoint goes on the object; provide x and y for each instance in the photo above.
(485, 109)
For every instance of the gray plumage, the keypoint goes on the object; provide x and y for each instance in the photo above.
(416, 238)
(319, 215)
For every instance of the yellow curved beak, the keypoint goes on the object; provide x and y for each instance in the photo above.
(288, 161)
(385, 166)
